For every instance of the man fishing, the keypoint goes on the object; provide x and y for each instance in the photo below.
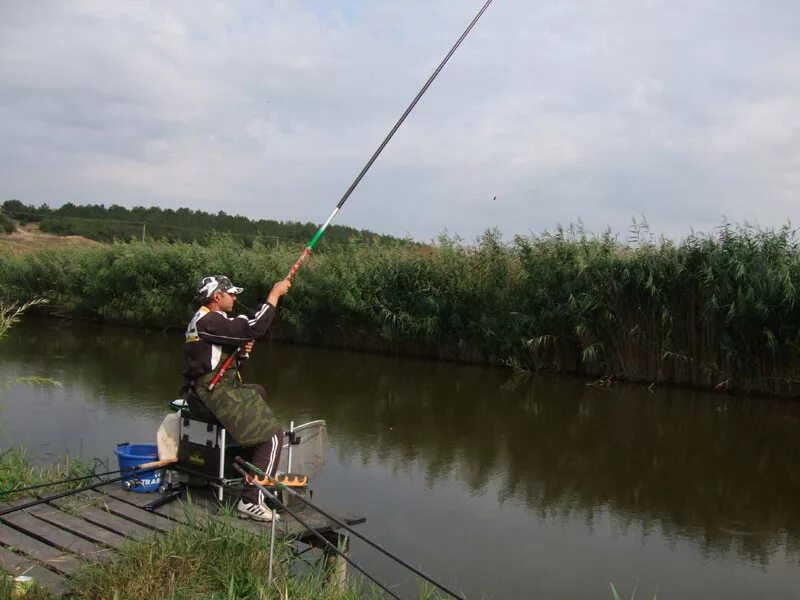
(211, 338)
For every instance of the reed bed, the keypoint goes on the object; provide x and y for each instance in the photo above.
(715, 311)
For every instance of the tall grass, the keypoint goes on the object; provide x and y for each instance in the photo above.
(713, 311)
(214, 559)
(18, 471)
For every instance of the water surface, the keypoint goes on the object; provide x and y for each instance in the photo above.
(543, 487)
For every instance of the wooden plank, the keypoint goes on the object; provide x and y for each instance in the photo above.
(351, 519)
(134, 498)
(16, 564)
(77, 526)
(137, 515)
(55, 536)
(289, 527)
(204, 503)
(62, 562)
(314, 519)
(101, 518)
(183, 509)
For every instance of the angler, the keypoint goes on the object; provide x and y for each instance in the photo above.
(223, 351)
(213, 337)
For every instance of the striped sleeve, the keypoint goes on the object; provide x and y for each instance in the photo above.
(216, 328)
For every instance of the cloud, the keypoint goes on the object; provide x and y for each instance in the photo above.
(679, 111)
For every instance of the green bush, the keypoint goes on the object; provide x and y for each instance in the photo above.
(6, 224)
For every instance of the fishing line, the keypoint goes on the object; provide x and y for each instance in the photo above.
(343, 525)
(293, 271)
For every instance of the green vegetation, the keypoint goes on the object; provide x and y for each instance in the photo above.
(106, 224)
(6, 224)
(10, 314)
(712, 311)
(18, 471)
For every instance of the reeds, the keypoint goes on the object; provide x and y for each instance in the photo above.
(713, 311)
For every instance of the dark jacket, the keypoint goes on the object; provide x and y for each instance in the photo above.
(211, 334)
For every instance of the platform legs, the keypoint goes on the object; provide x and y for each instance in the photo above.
(335, 566)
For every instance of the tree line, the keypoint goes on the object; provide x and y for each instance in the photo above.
(115, 222)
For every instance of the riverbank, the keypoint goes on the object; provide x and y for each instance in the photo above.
(715, 312)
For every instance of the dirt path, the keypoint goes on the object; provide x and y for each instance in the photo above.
(28, 238)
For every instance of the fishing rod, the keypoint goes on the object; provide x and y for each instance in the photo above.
(343, 525)
(142, 468)
(70, 480)
(316, 533)
(293, 271)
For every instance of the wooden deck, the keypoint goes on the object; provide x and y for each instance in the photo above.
(51, 541)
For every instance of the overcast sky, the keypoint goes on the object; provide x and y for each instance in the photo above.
(681, 111)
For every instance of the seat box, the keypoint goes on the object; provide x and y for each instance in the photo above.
(206, 449)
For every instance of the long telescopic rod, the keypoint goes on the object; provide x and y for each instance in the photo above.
(367, 166)
(226, 365)
(63, 481)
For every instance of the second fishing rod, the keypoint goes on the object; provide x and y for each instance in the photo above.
(310, 247)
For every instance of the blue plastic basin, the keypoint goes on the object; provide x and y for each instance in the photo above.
(133, 455)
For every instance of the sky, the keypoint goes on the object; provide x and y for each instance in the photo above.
(684, 113)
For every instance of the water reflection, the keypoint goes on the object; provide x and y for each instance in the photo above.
(717, 471)
(721, 470)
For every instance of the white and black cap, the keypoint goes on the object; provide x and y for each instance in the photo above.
(216, 283)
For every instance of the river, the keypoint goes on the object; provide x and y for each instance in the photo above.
(503, 487)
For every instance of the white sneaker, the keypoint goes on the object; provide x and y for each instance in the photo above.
(255, 511)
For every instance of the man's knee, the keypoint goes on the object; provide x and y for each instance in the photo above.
(259, 390)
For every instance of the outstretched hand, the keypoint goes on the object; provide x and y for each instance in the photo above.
(281, 288)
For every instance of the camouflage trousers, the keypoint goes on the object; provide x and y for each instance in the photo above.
(239, 407)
